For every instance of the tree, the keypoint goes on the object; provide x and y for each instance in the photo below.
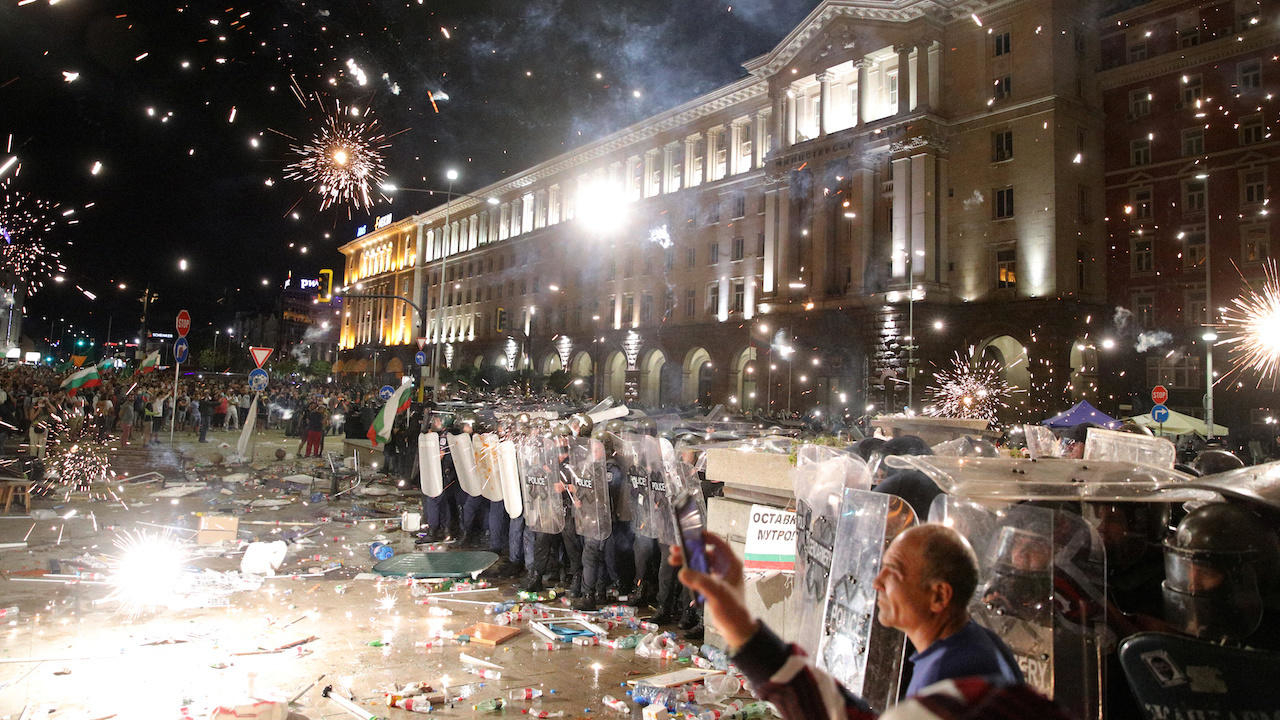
(320, 368)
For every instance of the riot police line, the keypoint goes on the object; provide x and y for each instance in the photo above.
(1111, 577)
(570, 503)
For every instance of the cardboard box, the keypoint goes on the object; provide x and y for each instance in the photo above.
(217, 528)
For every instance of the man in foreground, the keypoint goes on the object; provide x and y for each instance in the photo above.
(927, 578)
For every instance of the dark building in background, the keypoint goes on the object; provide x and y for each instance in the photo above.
(1189, 92)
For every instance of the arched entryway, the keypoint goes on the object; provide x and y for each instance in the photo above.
(1012, 355)
(697, 376)
(742, 378)
(615, 375)
(550, 363)
(651, 365)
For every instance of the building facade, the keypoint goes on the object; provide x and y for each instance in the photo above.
(1189, 92)
(893, 183)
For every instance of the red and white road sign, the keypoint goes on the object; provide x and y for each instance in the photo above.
(259, 355)
(1159, 394)
(422, 342)
(184, 323)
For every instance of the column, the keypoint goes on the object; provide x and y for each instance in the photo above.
(784, 252)
(668, 168)
(791, 119)
(901, 216)
(824, 101)
(709, 161)
(923, 81)
(780, 119)
(770, 241)
(860, 107)
(690, 155)
(647, 180)
(863, 236)
(924, 216)
(759, 129)
(734, 147)
(904, 80)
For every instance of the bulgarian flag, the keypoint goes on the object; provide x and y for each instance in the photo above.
(149, 363)
(85, 378)
(105, 364)
(380, 430)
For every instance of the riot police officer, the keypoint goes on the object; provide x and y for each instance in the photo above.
(439, 512)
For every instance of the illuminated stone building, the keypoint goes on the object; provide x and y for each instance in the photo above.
(759, 245)
(1189, 90)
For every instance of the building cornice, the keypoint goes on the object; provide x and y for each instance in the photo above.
(737, 93)
(379, 235)
(941, 11)
(1213, 51)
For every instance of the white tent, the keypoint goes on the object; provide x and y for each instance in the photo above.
(1179, 424)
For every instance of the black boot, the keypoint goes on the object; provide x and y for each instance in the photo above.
(589, 602)
(532, 583)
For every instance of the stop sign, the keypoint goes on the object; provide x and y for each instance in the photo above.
(183, 323)
(1159, 394)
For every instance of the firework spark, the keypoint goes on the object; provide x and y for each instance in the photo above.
(343, 162)
(1250, 329)
(971, 388)
(147, 571)
(32, 263)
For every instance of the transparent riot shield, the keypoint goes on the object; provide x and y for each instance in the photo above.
(862, 654)
(1041, 442)
(430, 476)
(509, 478)
(640, 455)
(487, 466)
(1042, 589)
(1103, 444)
(819, 480)
(664, 483)
(539, 475)
(590, 490)
(462, 449)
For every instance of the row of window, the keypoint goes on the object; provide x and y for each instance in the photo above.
(1251, 130)
(1255, 247)
(1191, 31)
(1253, 195)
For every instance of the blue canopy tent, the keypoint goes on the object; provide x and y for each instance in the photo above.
(1081, 412)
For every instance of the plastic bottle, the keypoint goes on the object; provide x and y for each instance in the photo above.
(614, 703)
(646, 694)
(528, 693)
(9, 611)
(622, 643)
(718, 659)
(493, 705)
(412, 704)
(751, 710)
(586, 641)
(542, 713)
(381, 551)
(485, 673)
(437, 611)
(547, 645)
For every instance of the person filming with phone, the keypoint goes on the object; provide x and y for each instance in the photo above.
(928, 576)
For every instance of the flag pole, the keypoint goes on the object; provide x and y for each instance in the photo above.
(173, 417)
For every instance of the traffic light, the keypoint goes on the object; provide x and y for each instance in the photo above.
(80, 342)
(500, 320)
(325, 291)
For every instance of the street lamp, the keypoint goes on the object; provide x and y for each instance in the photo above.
(450, 175)
(1209, 335)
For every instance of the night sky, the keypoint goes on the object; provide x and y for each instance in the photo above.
(192, 111)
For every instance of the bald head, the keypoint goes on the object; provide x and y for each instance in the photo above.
(946, 557)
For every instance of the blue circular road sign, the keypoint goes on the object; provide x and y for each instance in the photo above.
(181, 350)
(385, 392)
(1160, 413)
(258, 379)
(420, 358)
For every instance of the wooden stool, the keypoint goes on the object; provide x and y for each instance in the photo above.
(15, 488)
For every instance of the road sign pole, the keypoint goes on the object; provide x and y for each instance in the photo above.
(173, 416)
